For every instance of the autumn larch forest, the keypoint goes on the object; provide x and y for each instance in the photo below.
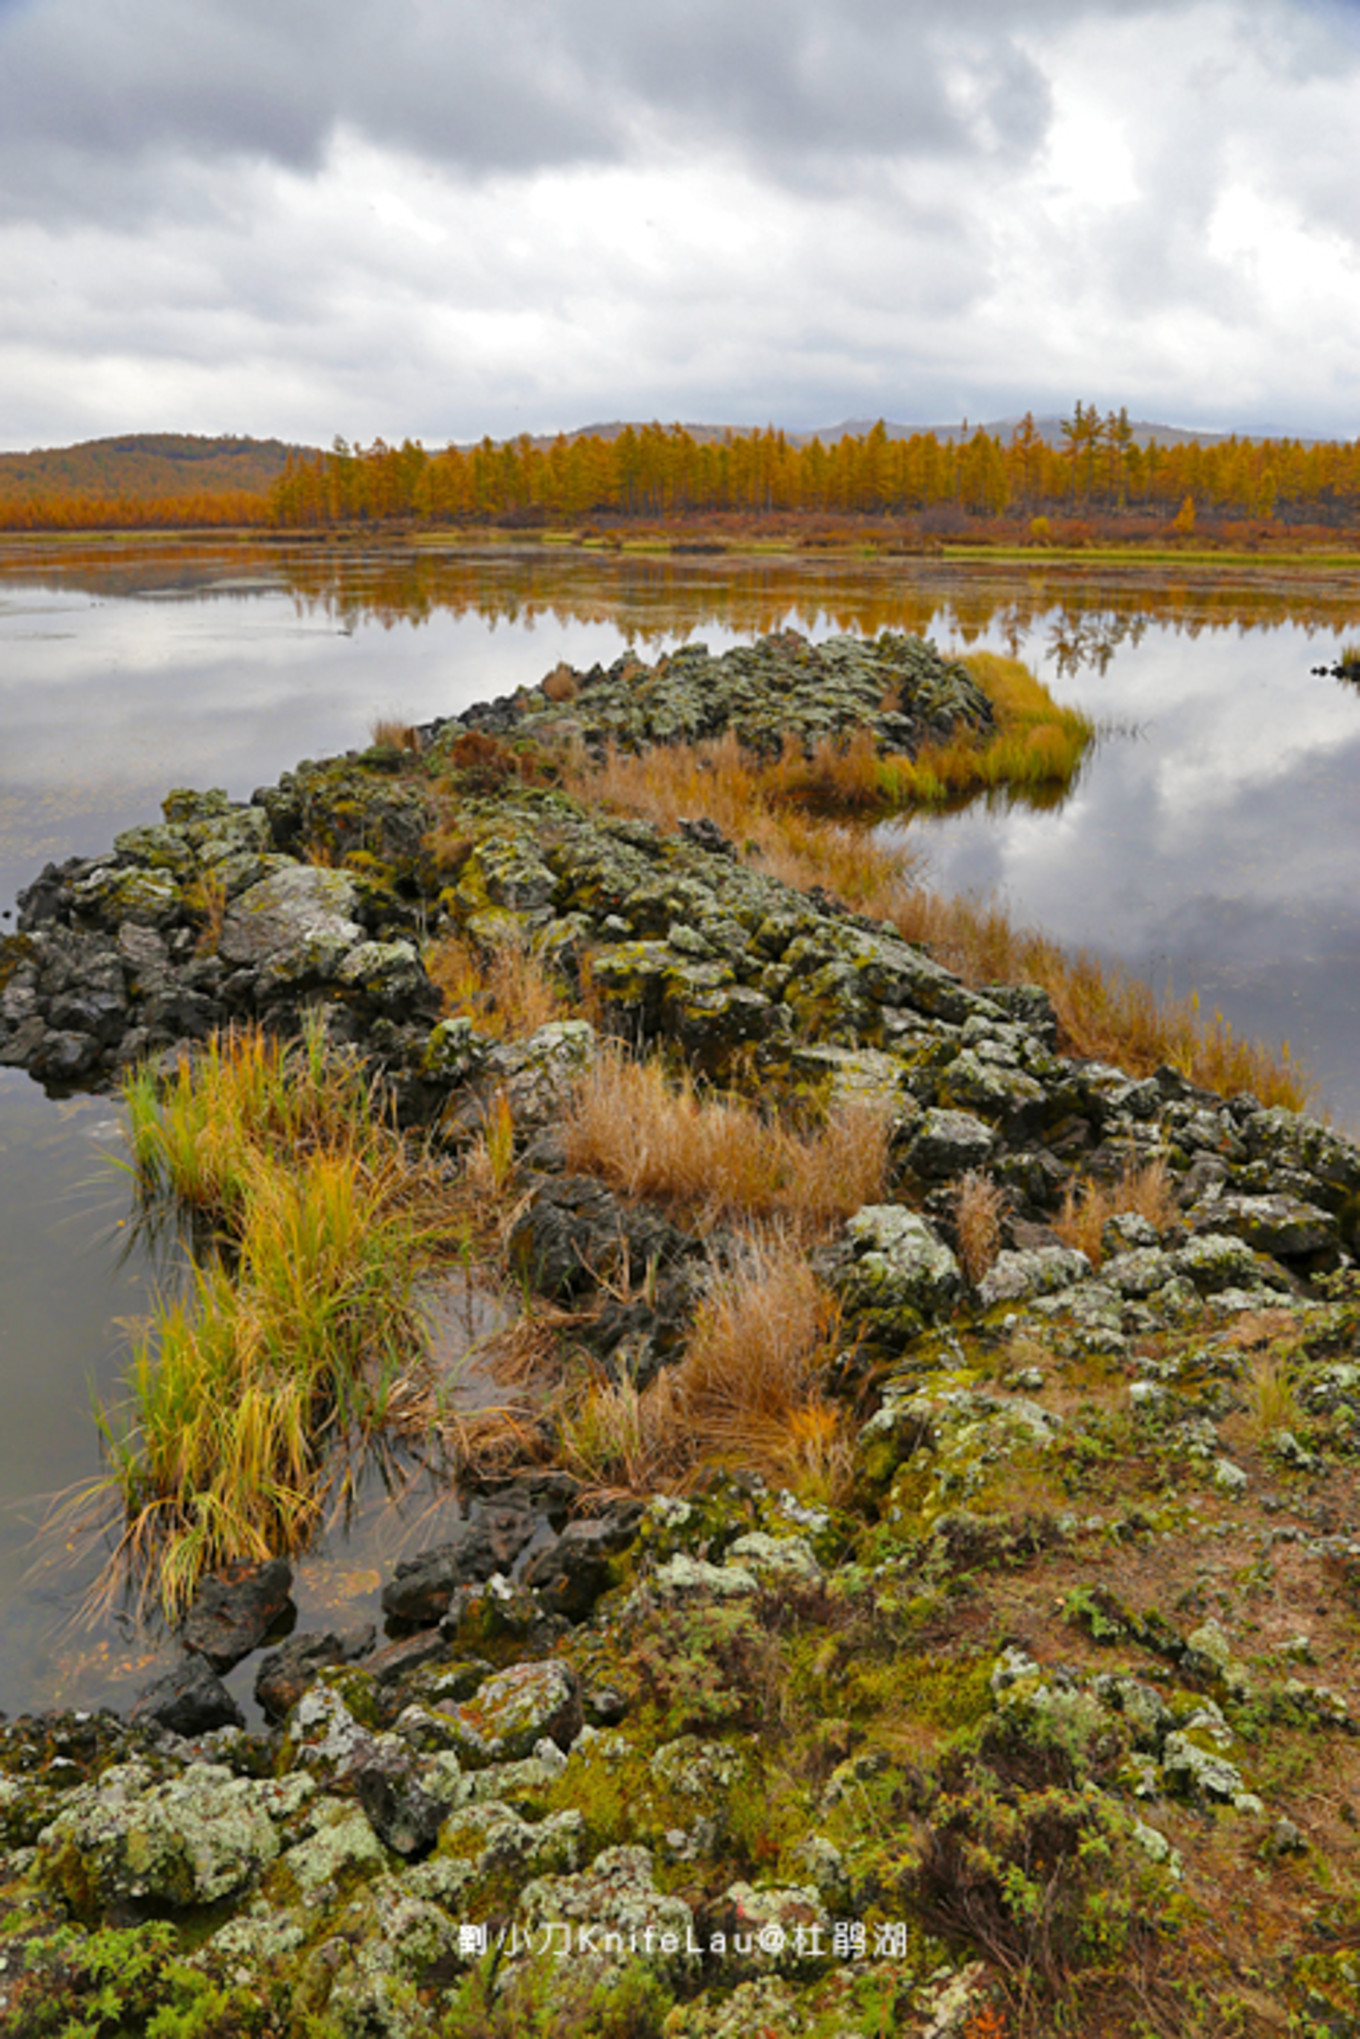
(1096, 479)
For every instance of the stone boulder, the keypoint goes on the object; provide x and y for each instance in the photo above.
(293, 928)
(891, 1260)
(233, 1612)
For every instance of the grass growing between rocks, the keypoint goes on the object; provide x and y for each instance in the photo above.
(778, 814)
(507, 991)
(749, 1392)
(1145, 1192)
(717, 1157)
(1103, 1010)
(299, 1336)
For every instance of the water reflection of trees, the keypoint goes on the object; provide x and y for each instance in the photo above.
(1085, 613)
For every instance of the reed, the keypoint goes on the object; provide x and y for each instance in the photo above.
(298, 1339)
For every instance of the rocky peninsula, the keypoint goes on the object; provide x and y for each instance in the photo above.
(918, 1589)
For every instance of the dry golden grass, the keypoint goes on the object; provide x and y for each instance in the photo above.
(674, 782)
(749, 1390)
(506, 991)
(393, 732)
(1103, 1011)
(1271, 1402)
(978, 1207)
(750, 1384)
(560, 683)
(1087, 1207)
(716, 1157)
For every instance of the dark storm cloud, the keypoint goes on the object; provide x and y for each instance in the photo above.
(90, 89)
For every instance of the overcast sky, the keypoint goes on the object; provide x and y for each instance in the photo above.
(451, 217)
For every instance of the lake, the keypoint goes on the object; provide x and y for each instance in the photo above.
(1211, 843)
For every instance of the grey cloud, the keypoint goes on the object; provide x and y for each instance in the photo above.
(524, 83)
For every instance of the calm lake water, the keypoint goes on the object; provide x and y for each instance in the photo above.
(1212, 843)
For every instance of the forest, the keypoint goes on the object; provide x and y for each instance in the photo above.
(1096, 478)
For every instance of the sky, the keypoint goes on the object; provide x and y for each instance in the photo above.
(444, 218)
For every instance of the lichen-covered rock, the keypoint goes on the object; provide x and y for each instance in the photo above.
(1277, 1224)
(683, 1578)
(892, 1260)
(517, 1708)
(783, 1931)
(285, 1674)
(1217, 1260)
(628, 1920)
(293, 928)
(776, 1560)
(366, 1975)
(946, 1143)
(1042, 1271)
(341, 1847)
(198, 1837)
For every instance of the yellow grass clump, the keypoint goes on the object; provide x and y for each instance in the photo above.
(506, 990)
(393, 732)
(717, 1157)
(979, 1204)
(1086, 1208)
(299, 1335)
(750, 1389)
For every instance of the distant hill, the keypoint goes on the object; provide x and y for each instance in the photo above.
(1050, 430)
(145, 464)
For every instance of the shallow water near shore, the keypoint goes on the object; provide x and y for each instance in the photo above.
(1210, 843)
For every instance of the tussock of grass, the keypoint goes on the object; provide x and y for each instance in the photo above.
(978, 1207)
(748, 1391)
(1272, 1406)
(716, 1158)
(507, 990)
(393, 732)
(300, 1334)
(750, 1382)
(1087, 1208)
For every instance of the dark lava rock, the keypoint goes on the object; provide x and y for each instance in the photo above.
(286, 1673)
(571, 1576)
(232, 1614)
(576, 1233)
(388, 1665)
(190, 1700)
(403, 1815)
(489, 1541)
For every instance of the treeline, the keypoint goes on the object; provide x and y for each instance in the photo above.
(659, 472)
(78, 511)
(1097, 471)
